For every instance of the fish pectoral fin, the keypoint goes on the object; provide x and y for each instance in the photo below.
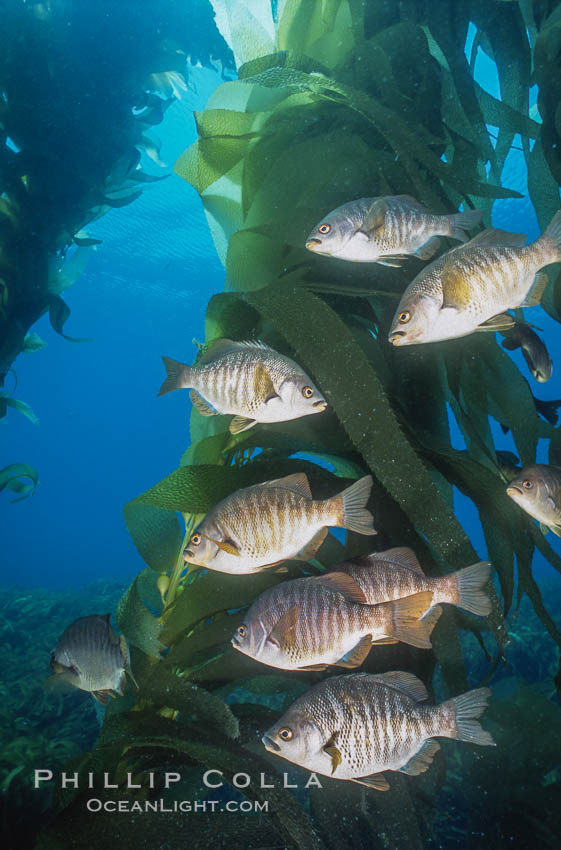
(537, 290)
(204, 408)
(313, 668)
(334, 754)
(283, 632)
(229, 547)
(357, 654)
(308, 551)
(346, 585)
(456, 290)
(556, 529)
(377, 781)
(241, 423)
(500, 323)
(101, 696)
(429, 249)
(544, 528)
(375, 216)
(422, 760)
(297, 482)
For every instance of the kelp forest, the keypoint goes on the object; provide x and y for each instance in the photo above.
(323, 101)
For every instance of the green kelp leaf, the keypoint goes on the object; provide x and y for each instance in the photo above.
(251, 260)
(360, 402)
(59, 312)
(211, 593)
(500, 114)
(288, 817)
(140, 627)
(207, 160)
(247, 27)
(21, 406)
(165, 689)
(225, 319)
(33, 342)
(196, 489)
(20, 478)
(322, 30)
(207, 450)
(156, 534)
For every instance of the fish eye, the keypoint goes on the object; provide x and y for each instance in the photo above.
(307, 392)
(242, 630)
(324, 228)
(196, 539)
(286, 733)
(527, 484)
(404, 317)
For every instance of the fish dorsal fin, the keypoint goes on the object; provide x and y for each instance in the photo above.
(112, 636)
(308, 551)
(422, 760)
(240, 423)
(407, 683)
(402, 555)
(284, 630)
(377, 781)
(456, 290)
(495, 236)
(204, 408)
(297, 482)
(219, 348)
(537, 290)
(346, 585)
(375, 215)
(357, 654)
(413, 202)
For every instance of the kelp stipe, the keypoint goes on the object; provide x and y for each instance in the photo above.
(336, 101)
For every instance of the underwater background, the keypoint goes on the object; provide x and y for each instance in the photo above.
(453, 102)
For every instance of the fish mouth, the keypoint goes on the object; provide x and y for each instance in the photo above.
(512, 490)
(270, 745)
(312, 243)
(188, 553)
(321, 405)
(397, 337)
(235, 642)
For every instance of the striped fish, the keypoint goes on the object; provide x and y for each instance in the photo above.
(247, 379)
(355, 727)
(314, 622)
(537, 490)
(387, 230)
(262, 526)
(469, 288)
(91, 657)
(396, 573)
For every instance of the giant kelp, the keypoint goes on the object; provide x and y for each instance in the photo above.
(338, 99)
(80, 89)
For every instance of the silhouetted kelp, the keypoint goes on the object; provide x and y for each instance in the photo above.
(80, 88)
(347, 100)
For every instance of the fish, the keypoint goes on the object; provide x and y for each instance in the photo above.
(91, 657)
(357, 726)
(471, 287)
(247, 379)
(537, 490)
(397, 573)
(261, 526)
(387, 230)
(533, 349)
(310, 623)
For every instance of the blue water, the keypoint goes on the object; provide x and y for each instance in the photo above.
(103, 436)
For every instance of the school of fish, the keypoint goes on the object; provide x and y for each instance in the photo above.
(356, 726)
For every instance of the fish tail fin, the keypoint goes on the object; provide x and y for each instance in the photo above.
(406, 623)
(354, 515)
(179, 376)
(466, 587)
(548, 409)
(464, 221)
(551, 239)
(467, 708)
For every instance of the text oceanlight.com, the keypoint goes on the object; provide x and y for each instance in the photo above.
(175, 806)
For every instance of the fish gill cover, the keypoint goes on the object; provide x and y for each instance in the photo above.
(335, 99)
